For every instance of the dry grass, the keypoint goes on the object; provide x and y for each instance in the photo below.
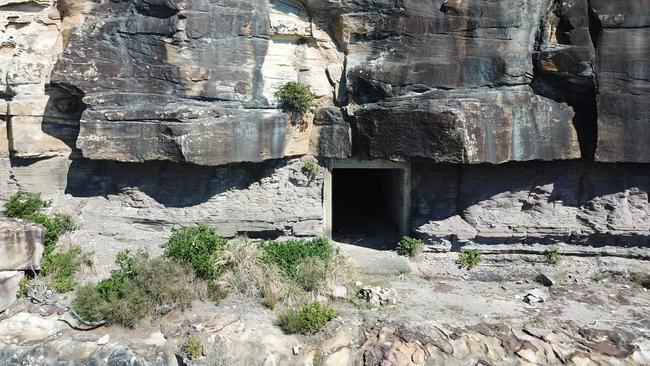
(250, 274)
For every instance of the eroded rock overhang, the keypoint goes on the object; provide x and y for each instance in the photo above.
(447, 81)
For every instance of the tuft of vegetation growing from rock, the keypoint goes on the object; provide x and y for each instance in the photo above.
(410, 246)
(553, 255)
(470, 258)
(296, 97)
(289, 254)
(247, 272)
(310, 319)
(59, 268)
(23, 204)
(193, 347)
(141, 287)
(310, 169)
(197, 247)
(27, 206)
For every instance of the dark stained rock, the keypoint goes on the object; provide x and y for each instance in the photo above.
(623, 69)
(471, 126)
(180, 81)
(331, 135)
(193, 81)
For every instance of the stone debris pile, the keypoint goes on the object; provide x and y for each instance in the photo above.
(378, 296)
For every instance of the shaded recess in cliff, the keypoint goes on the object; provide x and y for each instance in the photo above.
(572, 202)
(563, 62)
(64, 109)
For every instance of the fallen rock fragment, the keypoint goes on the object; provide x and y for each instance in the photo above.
(378, 296)
(546, 279)
(536, 295)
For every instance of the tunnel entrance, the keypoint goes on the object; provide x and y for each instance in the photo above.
(368, 203)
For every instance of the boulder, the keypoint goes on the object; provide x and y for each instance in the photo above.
(472, 126)
(21, 245)
(9, 286)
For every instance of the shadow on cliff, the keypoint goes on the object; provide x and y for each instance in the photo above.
(168, 183)
(610, 199)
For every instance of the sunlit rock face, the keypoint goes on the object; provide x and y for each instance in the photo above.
(193, 81)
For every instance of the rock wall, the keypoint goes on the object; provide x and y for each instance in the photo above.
(517, 206)
(148, 114)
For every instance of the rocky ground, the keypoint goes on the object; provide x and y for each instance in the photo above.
(581, 311)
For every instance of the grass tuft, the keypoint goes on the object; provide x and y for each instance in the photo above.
(553, 255)
(470, 258)
(411, 247)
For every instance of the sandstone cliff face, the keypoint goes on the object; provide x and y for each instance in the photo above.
(450, 81)
(94, 95)
(194, 80)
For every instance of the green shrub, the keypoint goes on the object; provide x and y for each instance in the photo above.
(247, 272)
(59, 268)
(23, 204)
(470, 258)
(289, 254)
(64, 222)
(553, 255)
(410, 246)
(193, 347)
(310, 319)
(310, 169)
(296, 97)
(52, 230)
(141, 287)
(196, 246)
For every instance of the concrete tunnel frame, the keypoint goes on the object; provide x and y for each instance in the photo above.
(402, 198)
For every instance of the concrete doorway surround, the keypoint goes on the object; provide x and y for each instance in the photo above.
(367, 202)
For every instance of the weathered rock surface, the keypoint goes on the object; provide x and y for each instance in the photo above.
(623, 71)
(454, 317)
(21, 245)
(530, 203)
(9, 285)
(181, 98)
(194, 79)
(472, 126)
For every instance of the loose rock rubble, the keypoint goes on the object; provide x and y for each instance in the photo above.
(378, 296)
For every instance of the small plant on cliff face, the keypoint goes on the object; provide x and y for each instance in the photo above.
(469, 259)
(310, 169)
(296, 97)
(553, 255)
(196, 246)
(410, 246)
